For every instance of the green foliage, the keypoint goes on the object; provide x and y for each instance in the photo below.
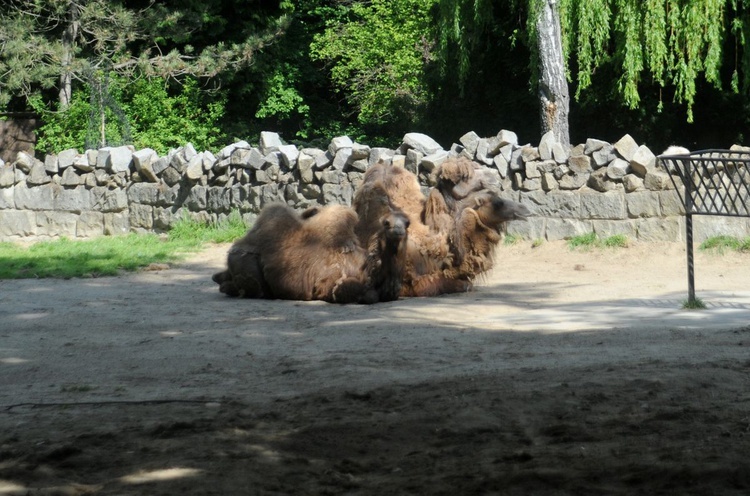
(190, 232)
(62, 129)
(672, 41)
(161, 120)
(695, 304)
(537, 243)
(591, 240)
(110, 255)
(377, 58)
(512, 239)
(720, 244)
(281, 98)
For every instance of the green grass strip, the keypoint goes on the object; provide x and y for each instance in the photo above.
(111, 255)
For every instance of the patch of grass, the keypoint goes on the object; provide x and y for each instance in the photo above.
(616, 241)
(591, 240)
(721, 244)
(110, 255)
(696, 304)
(512, 239)
(537, 243)
(583, 241)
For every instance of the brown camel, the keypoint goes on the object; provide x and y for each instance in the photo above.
(316, 256)
(453, 231)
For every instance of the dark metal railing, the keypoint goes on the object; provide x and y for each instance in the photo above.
(711, 182)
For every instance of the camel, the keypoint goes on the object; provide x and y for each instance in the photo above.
(453, 231)
(315, 255)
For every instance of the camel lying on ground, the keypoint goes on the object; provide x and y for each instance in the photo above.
(316, 255)
(453, 231)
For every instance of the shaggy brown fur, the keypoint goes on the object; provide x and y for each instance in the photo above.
(478, 223)
(314, 256)
(453, 231)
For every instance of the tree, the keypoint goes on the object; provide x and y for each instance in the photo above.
(671, 44)
(554, 98)
(48, 43)
(376, 59)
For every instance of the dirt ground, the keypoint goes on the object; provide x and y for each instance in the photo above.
(564, 372)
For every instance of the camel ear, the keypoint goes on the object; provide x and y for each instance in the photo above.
(310, 212)
(479, 201)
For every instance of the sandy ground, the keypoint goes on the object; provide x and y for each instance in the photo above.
(564, 372)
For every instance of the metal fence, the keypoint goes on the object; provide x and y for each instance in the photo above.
(709, 182)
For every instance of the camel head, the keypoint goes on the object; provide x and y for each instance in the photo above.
(493, 210)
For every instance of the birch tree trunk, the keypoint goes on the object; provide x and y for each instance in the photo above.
(68, 52)
(554, 98)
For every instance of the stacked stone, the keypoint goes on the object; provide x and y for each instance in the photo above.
(608, 188)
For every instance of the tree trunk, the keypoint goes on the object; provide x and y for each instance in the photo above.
(554, 98)
(68, 52)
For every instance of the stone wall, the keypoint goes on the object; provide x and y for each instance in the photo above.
(607, 188)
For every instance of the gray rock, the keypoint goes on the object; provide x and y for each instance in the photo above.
(119, 159)
(194, 170)
(532, 184)
(70, 177)
(609, 205)
(433, 160)
(643, 204)
(24, 162)
(338, 143)
(35, 198)
(530, 153)
(38, 174)
(516, 160)
(501, 165)
(340, 194)
(7, 197)
(603, 156)
(305, 164)
(18, 223)
(580, 164)
(381, 154)
(532, 172)
(598, 181)
(617, 169)
(413, 158)
(631, 182)
(573, 180)
(189, 152)
(360, 151)
(289, 155)
(116, 223)
(593, 145)
(7, 176)
(160, 165)
(506, 151)
(269, 142)
(559, 153)
(219, 200)
(146, 193)
(422, 143)
(141, 216)
(626, 147)
(470, 142)
(657, 181)
(50, 164)
(82, 163)
(549, 183)
(109, 200)
(78, 199)
(341, 158)
(142, 160)
(545, 145)
(643, 161)
(171, 176)
(484, 154)
(566, 228)
(506, 137)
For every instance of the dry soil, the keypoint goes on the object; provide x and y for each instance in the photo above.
(564, 372)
